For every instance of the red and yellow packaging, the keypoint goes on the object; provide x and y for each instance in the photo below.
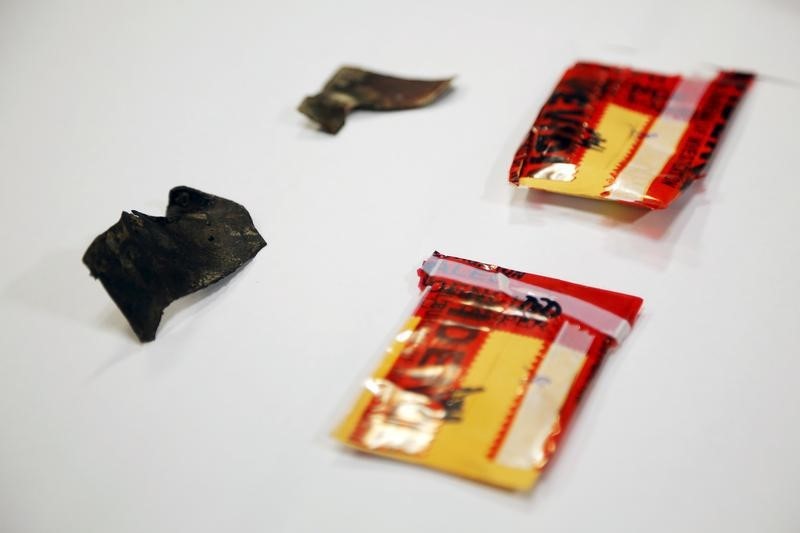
(624, 135)
(485, 375)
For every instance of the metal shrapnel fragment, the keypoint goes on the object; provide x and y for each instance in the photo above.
(352, 88)
(146, 262)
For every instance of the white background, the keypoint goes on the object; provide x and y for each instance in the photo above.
(221, 424)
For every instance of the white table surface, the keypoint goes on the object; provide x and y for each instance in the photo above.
(221, 424)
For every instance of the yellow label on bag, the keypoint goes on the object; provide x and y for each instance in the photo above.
(621, 129)
(500, 370)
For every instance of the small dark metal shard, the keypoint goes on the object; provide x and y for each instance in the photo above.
(352, 88)
(146, 262)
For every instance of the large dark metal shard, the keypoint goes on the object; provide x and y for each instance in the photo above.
(352, 88)
(146, 262)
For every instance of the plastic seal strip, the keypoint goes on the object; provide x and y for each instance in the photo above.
(602, 320)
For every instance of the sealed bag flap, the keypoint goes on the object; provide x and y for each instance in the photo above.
(610, 312)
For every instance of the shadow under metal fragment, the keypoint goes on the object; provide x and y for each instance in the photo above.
(175, 315)
(57, 285)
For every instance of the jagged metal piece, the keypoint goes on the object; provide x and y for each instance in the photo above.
(146, 262)
(353, 88)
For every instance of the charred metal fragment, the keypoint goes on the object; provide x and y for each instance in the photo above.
(146, 262)
(353, 88)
